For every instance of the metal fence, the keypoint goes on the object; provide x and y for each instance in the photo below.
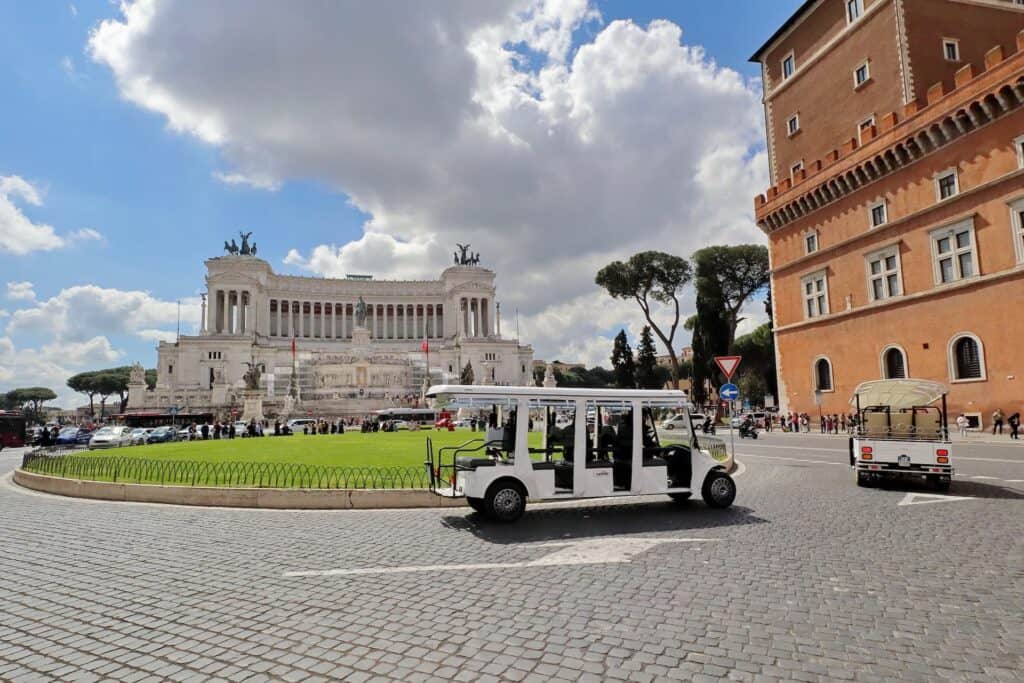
(225, 474)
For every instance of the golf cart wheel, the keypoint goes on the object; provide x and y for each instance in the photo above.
(680, 497)
(505, 501)
(941, 484)
(477, 504)
(863, 479)
(719, 490)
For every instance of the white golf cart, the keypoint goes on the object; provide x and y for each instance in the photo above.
(612, 449)
(900, 433)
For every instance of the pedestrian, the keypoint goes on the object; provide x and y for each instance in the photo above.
(1014, 423)
(842, 422)
(231, 430)
(205, 429)
(961, 423)
(997, 421)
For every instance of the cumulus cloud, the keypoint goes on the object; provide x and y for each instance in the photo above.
(76, 314)
(20, 291)
(51, 364)
(465, 121)
(19, 235)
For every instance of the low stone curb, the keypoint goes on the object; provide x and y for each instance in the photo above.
(277, 499)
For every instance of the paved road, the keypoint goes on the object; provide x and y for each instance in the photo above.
(807, 577)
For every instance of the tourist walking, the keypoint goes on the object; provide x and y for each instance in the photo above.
(997, 421)
(961, 423)
(1014, 423)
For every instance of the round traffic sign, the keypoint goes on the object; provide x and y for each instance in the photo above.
(729, 392)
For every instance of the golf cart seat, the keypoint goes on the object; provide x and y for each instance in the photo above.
(467, 462)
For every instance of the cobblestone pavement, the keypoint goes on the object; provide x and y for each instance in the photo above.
(811, 578)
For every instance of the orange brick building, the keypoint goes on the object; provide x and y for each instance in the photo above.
(896, 216)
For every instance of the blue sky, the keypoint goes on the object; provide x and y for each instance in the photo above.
(102, 162)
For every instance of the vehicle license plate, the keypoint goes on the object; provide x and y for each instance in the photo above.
(904, 461)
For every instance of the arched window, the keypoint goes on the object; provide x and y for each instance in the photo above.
(894, 363)
(822, 375)
(967, 359)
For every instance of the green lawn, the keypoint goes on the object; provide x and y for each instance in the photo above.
(352, 449)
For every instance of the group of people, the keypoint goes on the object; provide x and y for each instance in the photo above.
(1013, 422)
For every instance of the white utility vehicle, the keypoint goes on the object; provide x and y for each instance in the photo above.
(900, 433)
(620, 455)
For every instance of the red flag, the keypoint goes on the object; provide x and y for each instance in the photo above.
(425, 347)
(293, 347)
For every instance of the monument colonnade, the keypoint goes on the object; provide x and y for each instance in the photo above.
(234, 312)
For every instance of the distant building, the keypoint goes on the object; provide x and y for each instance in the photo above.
(896, 214)
(253, 315)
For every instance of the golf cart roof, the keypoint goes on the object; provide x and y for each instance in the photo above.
(481, 395)
(898, 393)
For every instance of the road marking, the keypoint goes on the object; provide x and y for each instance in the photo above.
(803, 448)
(966, 457)
(982, 476)
(912, 499)
(600, 551)
(779, 457)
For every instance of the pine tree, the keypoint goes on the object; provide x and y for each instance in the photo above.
(623, 365)
(647, 375)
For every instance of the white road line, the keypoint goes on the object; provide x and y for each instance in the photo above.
(779, 457)
(802, 448)
(613, 550)
(982, 476)
(914, 498)
(971, 457)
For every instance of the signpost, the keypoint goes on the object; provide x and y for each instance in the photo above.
(729, 392)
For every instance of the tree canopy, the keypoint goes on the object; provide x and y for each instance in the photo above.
(30, 400)
(647, 278)
(106, 383)
(623, 365)
(738, 271)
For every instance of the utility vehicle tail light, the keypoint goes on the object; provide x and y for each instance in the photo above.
(866, 453)
(942, 452)
(942, 460)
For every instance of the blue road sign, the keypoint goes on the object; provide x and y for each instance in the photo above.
(729, 392)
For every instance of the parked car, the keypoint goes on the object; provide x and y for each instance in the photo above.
(110, 437)
(681, 422)
(139, 436)
(297, 424)
(162, 435)
(73, 436)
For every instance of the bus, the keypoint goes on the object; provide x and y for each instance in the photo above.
(12, 430)
(421, 417)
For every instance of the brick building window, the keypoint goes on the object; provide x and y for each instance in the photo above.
(1017, 224)
(793, 125)
(953, 252)
(864, 125)
(879, 214)
(1018, 145)
(811, 242)
(884, 274)
(815, 292)
(823, 374)
(951, 49)
(788, 66)
(894, 363)
(946, 184)
(966, 358)
(796, 168)
(861, 75)
(854, 8)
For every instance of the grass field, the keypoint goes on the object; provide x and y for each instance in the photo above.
(352, 449)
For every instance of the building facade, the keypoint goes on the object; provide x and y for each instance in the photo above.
(336, 346)
(896, 215)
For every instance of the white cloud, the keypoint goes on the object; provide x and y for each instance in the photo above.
(19, 235)
(21, 291)
(157, 335)
(52, 364)
(79, 313)
(465, 121)
(85, 235)
(73, 10)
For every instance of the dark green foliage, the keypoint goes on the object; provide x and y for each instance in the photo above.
(650, 277)
(647, 376)
(623, 365)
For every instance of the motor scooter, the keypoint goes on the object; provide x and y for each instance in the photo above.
(708, 427)
(748, 429)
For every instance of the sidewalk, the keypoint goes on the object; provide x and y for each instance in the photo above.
(972, 436)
